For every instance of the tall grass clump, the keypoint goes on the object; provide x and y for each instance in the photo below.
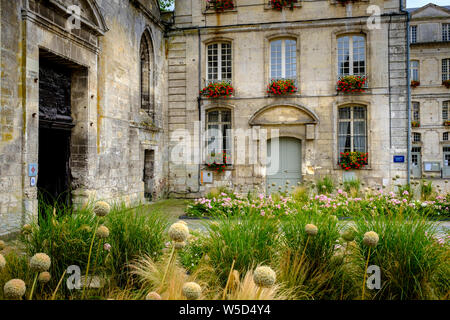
(134, 233)
(407, 253)
(426, 190)
(246, 241)
(352, 187)
(325, 185)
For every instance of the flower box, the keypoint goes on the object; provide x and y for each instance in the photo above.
(446, 83)
(217, 90)
(344, 2)
(280, 4)
(415, 83)
(218, 162)
(350, 84)
(415, 124)
(281, 87)
(353, 160)
(447, 123)
(221, 5)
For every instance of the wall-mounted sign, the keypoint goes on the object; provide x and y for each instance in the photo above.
(32, 170)
(399, 159)
(33, 182)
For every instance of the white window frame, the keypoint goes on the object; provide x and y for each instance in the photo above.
(413, 32)
(220, 123)
(351, 55)
(445, 136)
(446, 32)
(416, 69)
(445, 110)
(416, 137)
(219, 61)
(415, 111)
(352, 121)
(283, 58)
(446, 69)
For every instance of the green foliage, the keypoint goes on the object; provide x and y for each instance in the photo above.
(166, 5)
(325, 185)
(352, 186)
(192, 254)
(409, 255)
(426, 190)
(250, 240)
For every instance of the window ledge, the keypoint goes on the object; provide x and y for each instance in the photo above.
(212, 11)
(335, 2)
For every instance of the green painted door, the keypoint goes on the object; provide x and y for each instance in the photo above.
(285, 163)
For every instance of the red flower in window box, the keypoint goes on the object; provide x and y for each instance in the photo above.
(415, 83)
(415, 124)
(222, 5)
(281, 87)
(280, 4)
(446, 83)
(218, 163)
(351, 84)
(217, 90)
(447, 123)
(353, 160)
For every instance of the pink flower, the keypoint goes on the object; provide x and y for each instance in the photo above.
(107, 247)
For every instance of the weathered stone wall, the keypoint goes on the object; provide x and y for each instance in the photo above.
(111, 131)
(315, 26)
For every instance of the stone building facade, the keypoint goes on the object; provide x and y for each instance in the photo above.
(83, 104)
(106, 101)
(313, 43)
(430, 67)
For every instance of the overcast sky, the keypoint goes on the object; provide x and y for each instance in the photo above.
(420, 3)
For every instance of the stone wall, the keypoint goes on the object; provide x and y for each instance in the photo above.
(111, 132)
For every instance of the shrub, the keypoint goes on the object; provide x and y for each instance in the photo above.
(407, 253)
(352, 186)
(250, 240)
(325, 185)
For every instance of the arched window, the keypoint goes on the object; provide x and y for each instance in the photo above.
(283, 59)
(352, 129)
(218, 126)
(351, 55)
(146, 67)
(219, 63)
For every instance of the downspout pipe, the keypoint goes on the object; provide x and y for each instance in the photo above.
(408, 43)
(199, 105)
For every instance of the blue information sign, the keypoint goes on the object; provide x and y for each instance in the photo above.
(399, 159)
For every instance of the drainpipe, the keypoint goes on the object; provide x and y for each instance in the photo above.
(408, 18)
(199, 105)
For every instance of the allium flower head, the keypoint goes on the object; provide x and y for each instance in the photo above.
(349, 234)
(2, 262)
(153, 296)
(101, 208)
(264, 277)
(44, 277)
(14, 289)
(40, 262)
(107, 247)
(371, 239)
(2, 245)
(27, 229)
(311, 230)
(102, 232)
(191, 290)
(179, 232)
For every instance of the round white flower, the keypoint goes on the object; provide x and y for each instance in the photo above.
(264, 277)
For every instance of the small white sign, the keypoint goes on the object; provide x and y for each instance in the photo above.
(33, 181)
(427, 166)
